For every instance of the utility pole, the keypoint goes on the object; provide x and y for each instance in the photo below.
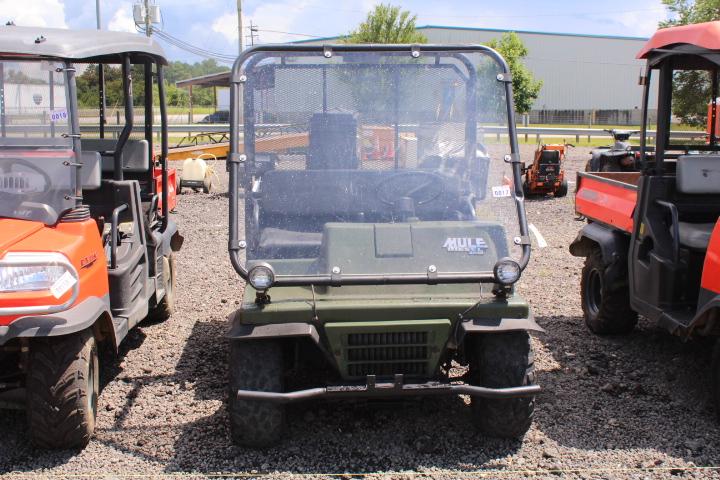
(240, 27)
(253, 33)
(148, 20)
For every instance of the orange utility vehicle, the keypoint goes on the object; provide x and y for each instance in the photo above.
(546, 174)
(86, 241)
(652, 244)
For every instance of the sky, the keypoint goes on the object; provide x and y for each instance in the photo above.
(212, 24)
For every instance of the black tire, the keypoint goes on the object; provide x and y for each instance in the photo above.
(605, 296)
(166, 307)
(256, 365)
(715, 366)
(526, 189)
(611, 166)
(62, 388)
(563, 189)
(500, 360)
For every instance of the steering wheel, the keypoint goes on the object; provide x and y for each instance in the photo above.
(13, 200)
(421, 187)
(7, 168)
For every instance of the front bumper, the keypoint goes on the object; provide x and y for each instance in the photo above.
(74, 319)
(397, 388)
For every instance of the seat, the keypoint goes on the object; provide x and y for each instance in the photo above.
(695, 236)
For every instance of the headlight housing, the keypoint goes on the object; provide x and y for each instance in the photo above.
(261, 277)
(507, 271)
(36, 272)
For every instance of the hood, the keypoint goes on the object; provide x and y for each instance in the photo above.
(12, 231)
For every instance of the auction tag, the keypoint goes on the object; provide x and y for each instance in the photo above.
(501, 191)
(62, 285)
(58, 115)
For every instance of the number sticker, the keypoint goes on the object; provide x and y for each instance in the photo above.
(62, 285)
(58, 115)
(501, 191)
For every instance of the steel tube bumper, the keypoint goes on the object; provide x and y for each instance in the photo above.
(389, 389)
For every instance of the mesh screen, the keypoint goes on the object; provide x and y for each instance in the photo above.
(373, 162)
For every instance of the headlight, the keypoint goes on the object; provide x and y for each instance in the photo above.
(261, 276)
(33, 272)
(507, 271)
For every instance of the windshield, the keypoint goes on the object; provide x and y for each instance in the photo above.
(37, 180)
(375, 163)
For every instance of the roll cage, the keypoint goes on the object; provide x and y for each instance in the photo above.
(71, 47)
(241, 81)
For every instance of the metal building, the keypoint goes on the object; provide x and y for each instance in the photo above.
(586, 78)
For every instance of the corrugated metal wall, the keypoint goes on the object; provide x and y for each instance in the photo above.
(578, 72)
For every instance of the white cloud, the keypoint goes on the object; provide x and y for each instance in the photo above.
(122, 19)
(281, 21)
(37, 13)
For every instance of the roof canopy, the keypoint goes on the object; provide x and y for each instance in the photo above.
(703, 35)
(77, 45)
(221, 79)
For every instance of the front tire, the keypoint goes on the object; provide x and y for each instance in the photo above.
(605, 296)
(256, 365)
(63, 384)
(500, 360)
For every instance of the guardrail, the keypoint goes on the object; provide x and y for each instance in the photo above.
(493, 130)
(498, 131)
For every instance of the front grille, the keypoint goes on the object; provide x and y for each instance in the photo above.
(387, 353)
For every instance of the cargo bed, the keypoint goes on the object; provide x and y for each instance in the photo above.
(607, 197)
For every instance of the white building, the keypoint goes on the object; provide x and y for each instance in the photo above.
(594, 76)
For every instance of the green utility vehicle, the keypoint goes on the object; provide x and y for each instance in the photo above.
(379, 241)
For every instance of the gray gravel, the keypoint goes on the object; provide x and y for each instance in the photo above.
(636, 406)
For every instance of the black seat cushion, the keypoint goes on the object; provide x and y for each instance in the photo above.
(695, 236)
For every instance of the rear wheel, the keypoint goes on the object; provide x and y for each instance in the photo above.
(166, 307)
(207, 185)
(501, 360)
(716, 378)
(256, 365)
(563, 189)
(63, 384)
(605, 296)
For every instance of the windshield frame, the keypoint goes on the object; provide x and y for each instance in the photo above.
(74, 192)
(236, 160)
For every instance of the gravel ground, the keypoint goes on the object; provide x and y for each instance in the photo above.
(635, 406)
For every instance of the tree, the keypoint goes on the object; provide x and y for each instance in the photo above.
(387, 24)
(691, 89)
(525, 88)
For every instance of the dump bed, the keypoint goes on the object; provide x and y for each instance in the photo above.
(607, 197)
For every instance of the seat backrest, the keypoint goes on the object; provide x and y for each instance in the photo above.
(550, 156)
(698, 174)
(90, 170)
(333, 141)
(135, 156)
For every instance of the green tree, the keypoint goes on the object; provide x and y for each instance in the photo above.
(691, 89)
(525, 88)
(387, 24)
(87, 85)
